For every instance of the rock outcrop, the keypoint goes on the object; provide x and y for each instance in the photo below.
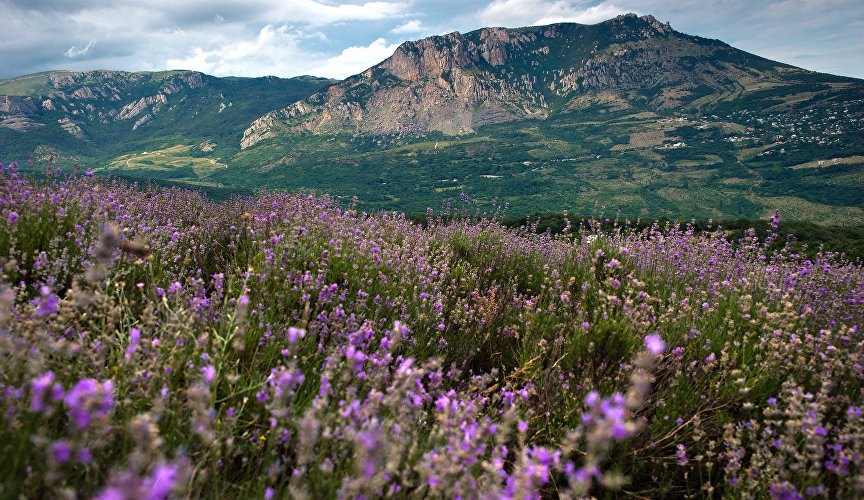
(17, 105)
(73, 128)
(133, 109)
(21, 123)
(141, 121)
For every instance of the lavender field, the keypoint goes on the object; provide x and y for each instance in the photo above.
(154, 344)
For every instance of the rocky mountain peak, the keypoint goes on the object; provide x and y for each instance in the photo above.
(438, 54)
(457, 82)
(657, 25)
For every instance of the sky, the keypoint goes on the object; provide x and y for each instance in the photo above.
(337, 39)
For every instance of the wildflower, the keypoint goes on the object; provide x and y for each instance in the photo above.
(48, 303)
(209, 372)
(13, 217)
(682, 455)
(284, 381)
(655, 344)
(295, 333)
(134, 338)
(88, 400)
(161, 482)
(785, 491)
(61, 452)
(40, 386)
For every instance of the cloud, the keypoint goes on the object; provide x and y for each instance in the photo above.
(592, 15)
(513, 13)
(354, 60)
(412, 26)
(316, 13)
(307, 36)
(274, 50)
(280, 51)
(74, 51)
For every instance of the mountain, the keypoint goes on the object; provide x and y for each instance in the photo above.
(98, 114)
(627, 116)
(457, 83)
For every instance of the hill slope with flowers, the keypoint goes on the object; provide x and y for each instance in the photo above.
(154, 343)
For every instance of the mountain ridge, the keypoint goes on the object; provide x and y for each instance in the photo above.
(456, 83)
(111, 108)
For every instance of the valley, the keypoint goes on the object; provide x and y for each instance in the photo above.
(626, 117)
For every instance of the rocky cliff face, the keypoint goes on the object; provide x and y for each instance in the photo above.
(444, 83)
(16, 105)
(17, 113)
(457, 82)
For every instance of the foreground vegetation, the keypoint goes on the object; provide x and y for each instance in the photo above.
(156, 344)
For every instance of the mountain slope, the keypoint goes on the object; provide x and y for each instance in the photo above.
(98, 114)
(457, 83)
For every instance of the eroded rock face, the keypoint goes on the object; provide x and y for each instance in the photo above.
(134, 108)
(17, 113)
(21, 123)
(84, 93)
(17, 105)
(193, 80)
(141, 121)
(73, 128)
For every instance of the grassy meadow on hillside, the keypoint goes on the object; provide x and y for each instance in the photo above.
(157, 344)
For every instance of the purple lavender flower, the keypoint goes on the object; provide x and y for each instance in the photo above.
(41, 386)
(13, 217)
(61, 452)
(785, 491)
(209, 372)
(682, 455)
(48, 302)
(112, 493)
(88, 400)
(295, 333)
(655, 344)
(161, 482)
(134, 338)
